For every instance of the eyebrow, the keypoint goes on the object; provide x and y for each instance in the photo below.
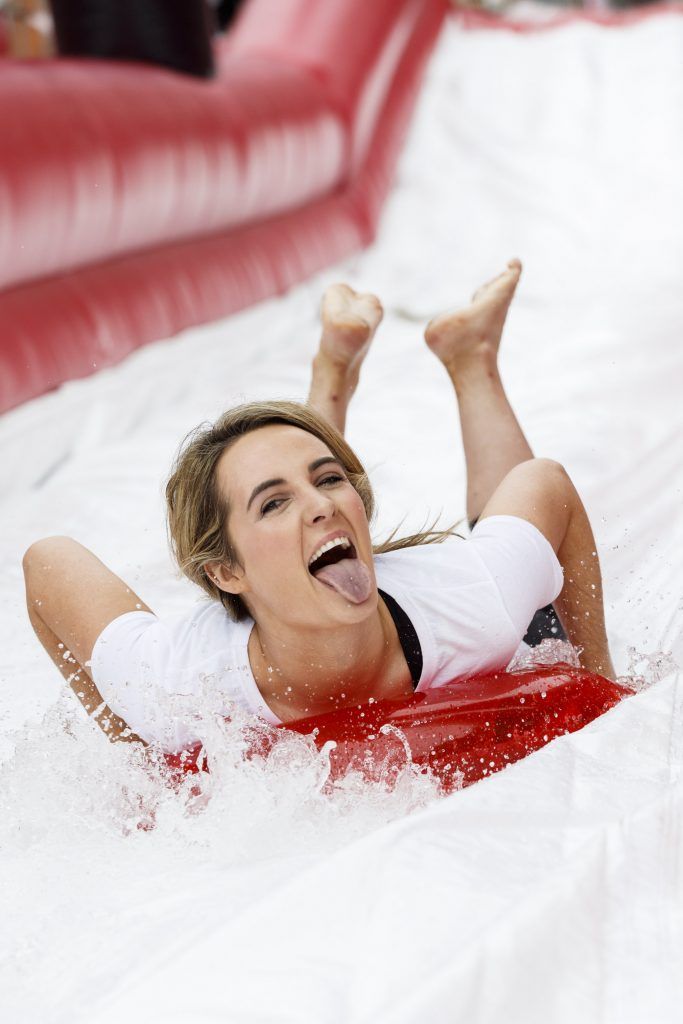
(280, 480)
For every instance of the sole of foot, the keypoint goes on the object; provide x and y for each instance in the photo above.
(349, 321)
(476, 329)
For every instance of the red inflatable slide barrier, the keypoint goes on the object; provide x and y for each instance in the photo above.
(461, 732)
(137, 202)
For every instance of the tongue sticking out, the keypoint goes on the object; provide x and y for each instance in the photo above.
(350, 578)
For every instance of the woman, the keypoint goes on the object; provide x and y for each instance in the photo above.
(269, 513)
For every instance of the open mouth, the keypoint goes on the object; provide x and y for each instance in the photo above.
(337, 566)
(337, 551)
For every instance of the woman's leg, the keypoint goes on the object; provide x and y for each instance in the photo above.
(349, 322)
(467, 341)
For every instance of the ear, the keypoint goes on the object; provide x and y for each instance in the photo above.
(226, 577)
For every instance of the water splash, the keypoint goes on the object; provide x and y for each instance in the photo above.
(92, 833)
(548, 652)
(64, 778)
(644, 670)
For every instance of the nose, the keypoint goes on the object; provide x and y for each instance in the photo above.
(318, 506)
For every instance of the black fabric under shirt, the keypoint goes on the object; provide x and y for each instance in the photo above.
(407, 636)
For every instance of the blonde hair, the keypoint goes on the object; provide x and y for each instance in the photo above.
(197, 513)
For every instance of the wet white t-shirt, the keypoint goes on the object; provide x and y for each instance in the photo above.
(470, 602)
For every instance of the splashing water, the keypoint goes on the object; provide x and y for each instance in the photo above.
(548, 652)
(63, 776)
(644, 670)
(91, 833)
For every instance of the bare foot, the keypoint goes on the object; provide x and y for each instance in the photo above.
(457, 338)
(349, 320)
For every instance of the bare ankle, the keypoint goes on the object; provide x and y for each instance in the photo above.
(334, 375)
(476, 368)
(332, 387)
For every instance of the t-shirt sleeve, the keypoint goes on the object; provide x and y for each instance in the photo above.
(129, 666)
(522, 563)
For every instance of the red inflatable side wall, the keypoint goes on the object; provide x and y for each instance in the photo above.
(134, 200)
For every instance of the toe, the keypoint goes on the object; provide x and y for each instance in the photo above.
(373, 307)
(505, 278)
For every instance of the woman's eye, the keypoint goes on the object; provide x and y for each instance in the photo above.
(326, 481)
(271, 505)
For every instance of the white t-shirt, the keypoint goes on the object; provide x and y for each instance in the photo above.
(470, 602)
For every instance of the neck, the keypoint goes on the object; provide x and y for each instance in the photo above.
(301, 675)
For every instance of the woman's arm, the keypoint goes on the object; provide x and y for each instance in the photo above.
(541, 492)
(71, 596)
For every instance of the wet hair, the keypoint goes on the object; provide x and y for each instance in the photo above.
(197, 512)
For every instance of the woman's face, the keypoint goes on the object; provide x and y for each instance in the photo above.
(288, 495)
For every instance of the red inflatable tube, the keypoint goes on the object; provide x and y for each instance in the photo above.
(461, 732)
